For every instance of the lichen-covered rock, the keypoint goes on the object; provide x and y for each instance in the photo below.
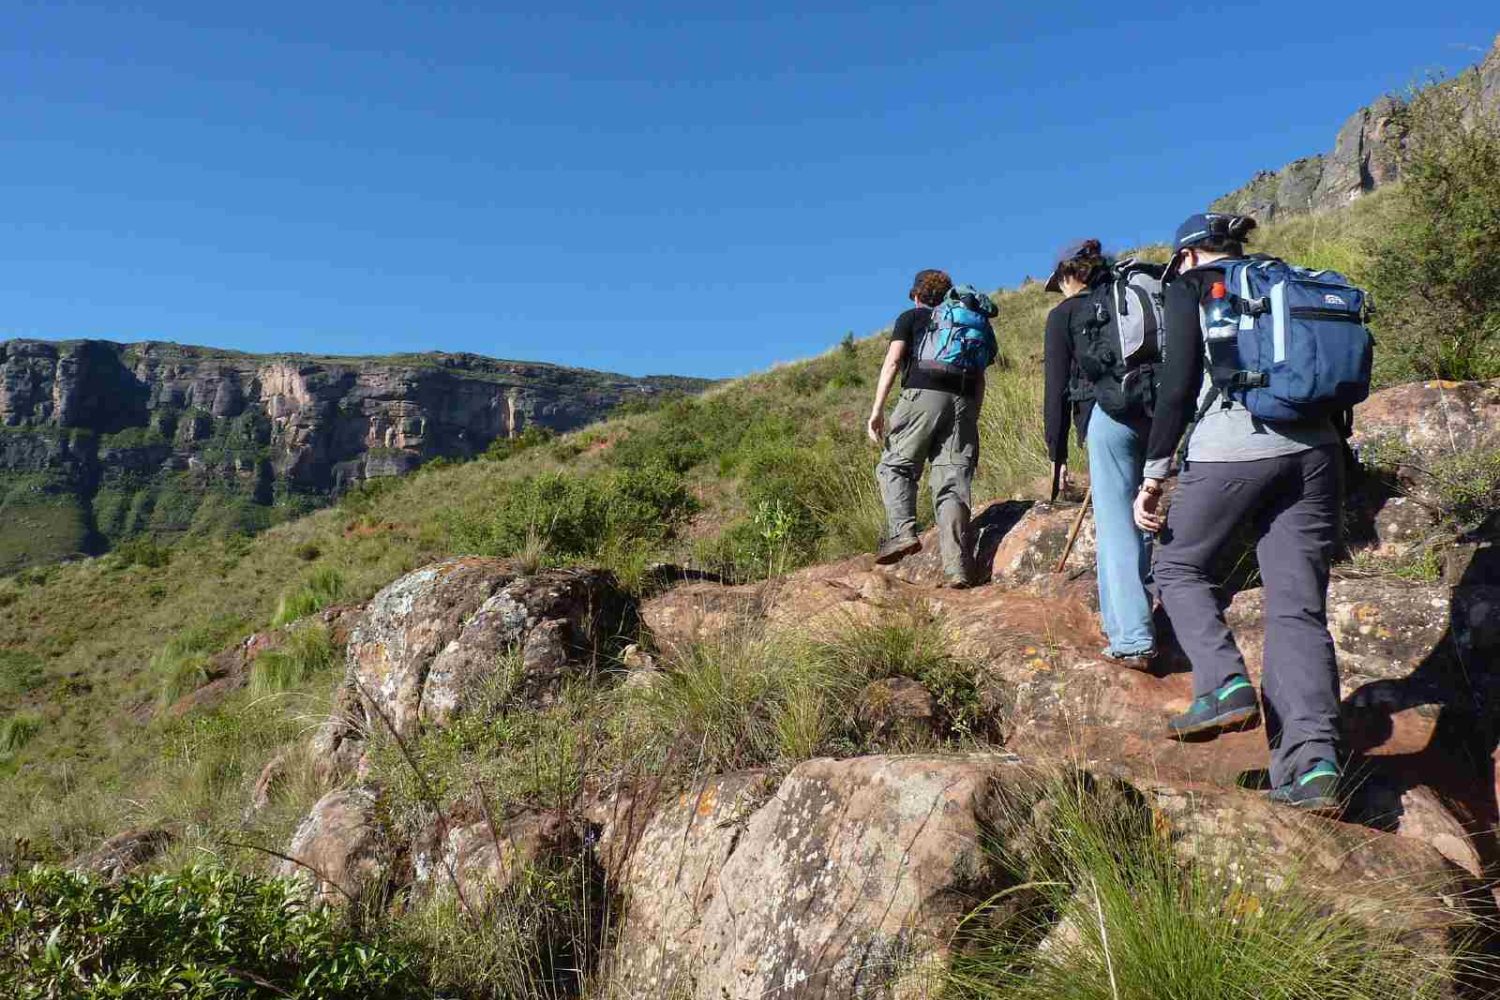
(674, 871)
(1029, 552)
(1422, 423)
(850, 874)
(125, 852)
(486, 860)
(340, 850)
(435, 639)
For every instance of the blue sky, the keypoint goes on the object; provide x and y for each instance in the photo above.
(643, 187)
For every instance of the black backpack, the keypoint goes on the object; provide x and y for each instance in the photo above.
(1116, 351)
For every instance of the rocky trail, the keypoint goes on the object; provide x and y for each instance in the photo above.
(850, 877)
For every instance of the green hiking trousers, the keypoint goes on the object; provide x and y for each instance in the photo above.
(942, 430)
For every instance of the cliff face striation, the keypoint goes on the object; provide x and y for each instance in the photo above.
(1367, 153)
(102, 441)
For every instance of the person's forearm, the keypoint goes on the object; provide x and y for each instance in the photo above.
(883, 386)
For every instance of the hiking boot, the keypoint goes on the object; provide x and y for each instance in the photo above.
(956, 582)
(893, 550)
(1231, 707)
(1315, 791)
(1133, 661)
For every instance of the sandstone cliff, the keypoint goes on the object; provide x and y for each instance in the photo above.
(1367, 153)
(102, 441)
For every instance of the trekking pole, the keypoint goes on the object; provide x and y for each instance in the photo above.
(1077, 526)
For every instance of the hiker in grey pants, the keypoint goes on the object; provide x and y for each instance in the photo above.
(941, 429)
(1282, 480)
(936, 421)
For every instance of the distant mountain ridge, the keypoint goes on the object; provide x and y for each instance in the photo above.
(1367, 153)
(102, 441)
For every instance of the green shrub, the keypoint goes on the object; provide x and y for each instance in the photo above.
(16, 731)
(201, 934)
(1435, 266)
(323, 588)
(533, 436)
(577, 517)
(1141, 924)
(20, 672)
(182, 664)
(1467, 485)
(307, 652)
(141, 552)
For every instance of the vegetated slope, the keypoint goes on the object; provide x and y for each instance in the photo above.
(103, 442)
(755, 477)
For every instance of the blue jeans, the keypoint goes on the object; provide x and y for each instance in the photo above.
(1117, 455)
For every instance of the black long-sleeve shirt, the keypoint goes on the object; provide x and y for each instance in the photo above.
(1064, 321)
(1179, 374)
(1225, 434)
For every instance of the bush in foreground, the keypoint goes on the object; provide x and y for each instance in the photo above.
(203, 933)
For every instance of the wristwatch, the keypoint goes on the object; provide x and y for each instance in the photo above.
(1151, 487)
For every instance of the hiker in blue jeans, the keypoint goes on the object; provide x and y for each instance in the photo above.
(1116, 449)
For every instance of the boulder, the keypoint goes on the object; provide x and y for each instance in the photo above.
(340, 850)
(487, 860)
(851, 880)
(1414, 426)
(855, 871)
(896, 711)
(672, 875)
(1028, 554)
(442, 639)
(125, 852)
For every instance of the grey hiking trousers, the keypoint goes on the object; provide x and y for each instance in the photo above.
(942, 430)
(1293, 503)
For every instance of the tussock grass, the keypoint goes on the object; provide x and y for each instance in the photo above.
(1101, 907)
(308, 652)
(538, 938)
(325, 586)
(16, 731)
(747, 698)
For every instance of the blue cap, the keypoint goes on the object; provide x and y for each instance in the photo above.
(1067, 253)
(1198, 228)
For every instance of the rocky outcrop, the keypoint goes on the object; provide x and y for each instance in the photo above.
(851, 879)
(1367, 153)
(341, 850)
(125, 852)
(128, 436)
(457, 634)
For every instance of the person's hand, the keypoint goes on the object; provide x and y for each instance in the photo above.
(875, 427)
(1147, 507)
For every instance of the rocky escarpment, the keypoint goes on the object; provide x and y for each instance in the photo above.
(1367, 153)
(101, 441)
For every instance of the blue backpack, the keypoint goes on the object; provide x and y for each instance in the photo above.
(1299, 349)
(958, 339)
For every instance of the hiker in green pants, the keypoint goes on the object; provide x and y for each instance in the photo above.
(941, 347)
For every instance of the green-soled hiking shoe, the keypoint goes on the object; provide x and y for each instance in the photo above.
(1232, 707)
(1316, 790)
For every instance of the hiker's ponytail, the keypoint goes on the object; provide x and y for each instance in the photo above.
(1087, 266)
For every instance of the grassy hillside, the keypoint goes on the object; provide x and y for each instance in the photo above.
(757, 477)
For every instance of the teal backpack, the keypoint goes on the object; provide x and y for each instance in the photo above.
(959, 340)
